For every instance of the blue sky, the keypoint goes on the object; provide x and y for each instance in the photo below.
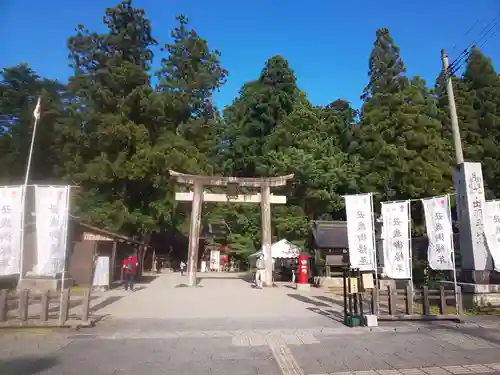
(327, 42)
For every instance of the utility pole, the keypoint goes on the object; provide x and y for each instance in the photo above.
(457, 142)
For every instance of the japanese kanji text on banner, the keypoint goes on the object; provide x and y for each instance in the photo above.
(11, 222)
(440, 252)
(397, 258)
(492, 230)
(51, 204)
(359, 214)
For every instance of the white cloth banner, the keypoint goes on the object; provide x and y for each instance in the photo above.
(360, 231)
(11, 222)
(492, 230)
(51, 206)
(440, 252)
(396, 219)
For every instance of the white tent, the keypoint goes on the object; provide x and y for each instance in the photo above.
(282, 249)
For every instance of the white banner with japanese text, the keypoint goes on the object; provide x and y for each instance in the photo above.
(439, 231)
(11, 231)
(359, 214)
(51, 206)
(397, 255)
(492, 230)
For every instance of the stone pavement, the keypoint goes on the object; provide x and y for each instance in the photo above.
(229, 328)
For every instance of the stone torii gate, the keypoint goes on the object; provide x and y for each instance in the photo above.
(197, 196)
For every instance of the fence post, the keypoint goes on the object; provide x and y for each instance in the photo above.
(409, 299)
(442, 300)
(44, 306)
(460, 302)
(374, 301)
(4, 295)
(65, 306)
(425, 300)
(23, 305)
(86, 305)
(391, 300)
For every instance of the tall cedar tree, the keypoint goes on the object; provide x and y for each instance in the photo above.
(189, 76)
(20, 89)
(253, 116)
(124, 128)
(403, 154)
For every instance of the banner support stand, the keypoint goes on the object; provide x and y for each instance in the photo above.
(63, 273)
(375, 265)
(453, 257)
(410, 261)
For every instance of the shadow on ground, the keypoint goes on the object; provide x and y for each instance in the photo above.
(146, 279)
(319, 307)
(26, 365)
(487, 334)
(108, 301)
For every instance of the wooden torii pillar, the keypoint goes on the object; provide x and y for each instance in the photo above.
(197, 196)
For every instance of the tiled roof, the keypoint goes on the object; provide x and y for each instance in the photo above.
(329, 234)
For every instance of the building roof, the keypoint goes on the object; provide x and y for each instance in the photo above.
(115, 236)
(329, 234)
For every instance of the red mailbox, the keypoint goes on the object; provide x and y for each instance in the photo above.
(303, 275)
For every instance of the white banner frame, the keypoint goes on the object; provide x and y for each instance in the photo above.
(12, 218)
(48, 200)
(452, 245)
(356, 213)
(444, 237)
(387, 210)
(492, 231)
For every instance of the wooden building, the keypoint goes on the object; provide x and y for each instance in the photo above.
(90, 242)
(328, 242)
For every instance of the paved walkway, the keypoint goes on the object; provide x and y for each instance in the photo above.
(227, 327)
(219, 296)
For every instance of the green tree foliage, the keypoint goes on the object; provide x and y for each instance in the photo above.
(126, 131)
(20, 89)
(399, 141)
(262, 104)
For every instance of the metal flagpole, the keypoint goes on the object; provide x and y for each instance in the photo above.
(36, 115)
(453, 255)
(375, 253)
(63, 274)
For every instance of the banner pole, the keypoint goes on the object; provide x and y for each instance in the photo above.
(375, 252)
(23, 219)
(410, 249)
(65, 247)
(453, 256)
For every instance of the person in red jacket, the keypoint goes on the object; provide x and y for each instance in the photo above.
(129, 271)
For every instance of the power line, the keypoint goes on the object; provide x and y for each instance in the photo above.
(484, 36)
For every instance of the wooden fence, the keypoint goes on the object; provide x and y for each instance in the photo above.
(42, 309)
(412, 302)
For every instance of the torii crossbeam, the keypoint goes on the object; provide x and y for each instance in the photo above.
(265, 198)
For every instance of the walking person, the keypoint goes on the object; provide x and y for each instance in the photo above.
(261, 269)
(183, 267)
(129, 271)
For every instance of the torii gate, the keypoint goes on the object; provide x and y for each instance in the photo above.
(265, 198)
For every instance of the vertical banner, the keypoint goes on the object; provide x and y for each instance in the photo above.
(440, 252)
(51, 206)
(360, 231)
(397, 255)
(492, 230)
(11, 223)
